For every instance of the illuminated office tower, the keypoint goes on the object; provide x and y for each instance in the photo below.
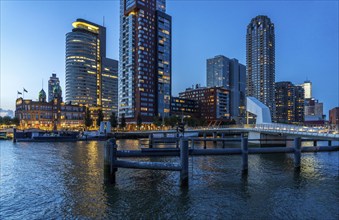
(260, 61)
(307, 85)
(91, 78)
(145, 60)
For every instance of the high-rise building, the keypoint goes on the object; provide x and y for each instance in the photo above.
(307, 85)
(284, 97)
(91, 78)
(299, 104)
(109, 87)
(260, 60)
(218, 72)
(52, 82)
(289, 103)
(238, 91)
(145, 60)
(230, 74)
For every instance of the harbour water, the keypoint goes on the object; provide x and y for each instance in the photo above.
(65, 180)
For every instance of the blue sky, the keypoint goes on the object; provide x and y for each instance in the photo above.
(33, 41)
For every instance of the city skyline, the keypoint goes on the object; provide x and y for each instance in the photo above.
(291, 65)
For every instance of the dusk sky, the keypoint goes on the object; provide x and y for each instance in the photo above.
(33, 41)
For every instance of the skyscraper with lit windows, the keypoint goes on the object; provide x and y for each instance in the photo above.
(91, 78)
(145, 60)
(260, 60)
(289, 102)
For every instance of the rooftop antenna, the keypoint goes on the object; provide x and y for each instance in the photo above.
(103, 21)
(42, 83)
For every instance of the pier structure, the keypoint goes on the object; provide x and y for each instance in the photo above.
(113, 163)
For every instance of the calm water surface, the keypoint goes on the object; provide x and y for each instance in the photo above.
(65, 180)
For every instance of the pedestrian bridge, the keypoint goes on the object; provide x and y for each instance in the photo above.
(294, 130)
(273, 129)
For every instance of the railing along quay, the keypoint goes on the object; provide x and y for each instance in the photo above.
(112, 163)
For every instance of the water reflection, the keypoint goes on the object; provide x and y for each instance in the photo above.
(65, 180)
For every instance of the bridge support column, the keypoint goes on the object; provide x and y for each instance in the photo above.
(184, 162)
(223, 142)
(205, 140)
(297, 153)
(110, 161)
(315, 143)
(244, 154)
(329, 143)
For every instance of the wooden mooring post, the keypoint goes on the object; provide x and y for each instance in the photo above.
(184, 162)
(150, 141)
(297, 152)
(14, 135)
(177, 140)
(244, 154)
(215, 135)
(109, 161)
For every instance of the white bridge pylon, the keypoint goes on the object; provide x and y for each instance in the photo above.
(258, 108)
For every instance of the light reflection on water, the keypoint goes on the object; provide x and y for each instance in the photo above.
(65, 180)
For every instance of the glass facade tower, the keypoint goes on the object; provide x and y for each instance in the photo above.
(260, 59)
(91, 78)
(145, 60)
(229, 74)
(218, 71)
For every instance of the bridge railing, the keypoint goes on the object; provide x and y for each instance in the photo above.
(294, 129)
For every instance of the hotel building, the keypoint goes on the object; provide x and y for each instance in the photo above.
(53, 115)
